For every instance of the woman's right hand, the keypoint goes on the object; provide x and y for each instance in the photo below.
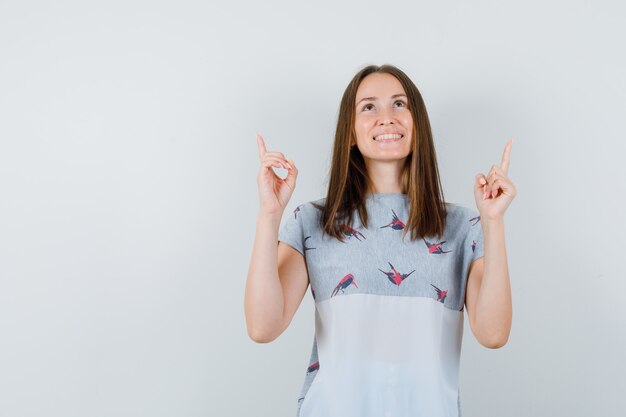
(274, 192)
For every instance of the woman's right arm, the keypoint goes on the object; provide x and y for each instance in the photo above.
(276, 284)
(277, 277)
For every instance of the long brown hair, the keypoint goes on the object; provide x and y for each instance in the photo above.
(349, 179)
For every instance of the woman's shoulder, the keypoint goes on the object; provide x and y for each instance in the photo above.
(316, 204)
(459, 208)
(460, 214)
(308, 207)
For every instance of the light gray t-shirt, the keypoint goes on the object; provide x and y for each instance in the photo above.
(389, 313)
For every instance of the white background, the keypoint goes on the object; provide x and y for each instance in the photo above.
(128, 194)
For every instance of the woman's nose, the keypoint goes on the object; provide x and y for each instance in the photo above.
(386, 117)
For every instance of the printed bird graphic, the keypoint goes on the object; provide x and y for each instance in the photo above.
(343, 284)
(304, 244)
(474, 243)
(394, 276)
(475, 220)
(313, 367)
(296, 211)
(441, 294)
(349, 231)
(435, 248)
(396, 223)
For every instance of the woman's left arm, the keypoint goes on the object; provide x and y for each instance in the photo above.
(489, 289)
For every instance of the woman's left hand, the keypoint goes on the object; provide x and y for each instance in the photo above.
(495, 192)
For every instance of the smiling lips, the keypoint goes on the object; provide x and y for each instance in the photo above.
(388, 137)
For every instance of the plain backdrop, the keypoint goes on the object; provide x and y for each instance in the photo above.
(128, 193)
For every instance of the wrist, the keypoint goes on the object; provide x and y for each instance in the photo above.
(269, 218)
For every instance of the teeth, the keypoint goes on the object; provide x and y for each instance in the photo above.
(388, 136)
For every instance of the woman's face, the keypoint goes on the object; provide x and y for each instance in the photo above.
(381, 108)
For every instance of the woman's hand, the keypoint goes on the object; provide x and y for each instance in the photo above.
(274, 192)
(495, 192)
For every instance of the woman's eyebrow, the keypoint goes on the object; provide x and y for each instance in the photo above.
(374, 98)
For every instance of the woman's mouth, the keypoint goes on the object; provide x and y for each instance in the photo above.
(388, 138)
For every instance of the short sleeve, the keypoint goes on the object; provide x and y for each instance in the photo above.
(475, 236)
(291, 232)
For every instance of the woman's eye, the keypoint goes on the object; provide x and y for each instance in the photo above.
(397, 101)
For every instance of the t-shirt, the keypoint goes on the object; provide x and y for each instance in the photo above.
(388, 312)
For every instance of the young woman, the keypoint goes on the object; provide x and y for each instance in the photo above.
(389, 309)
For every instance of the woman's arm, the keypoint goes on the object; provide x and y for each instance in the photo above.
(488, 297)
(263, 303)
(277, 282)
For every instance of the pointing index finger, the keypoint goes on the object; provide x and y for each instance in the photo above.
(506, 156)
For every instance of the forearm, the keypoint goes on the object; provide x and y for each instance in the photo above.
(264, 294)
(493, 305)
